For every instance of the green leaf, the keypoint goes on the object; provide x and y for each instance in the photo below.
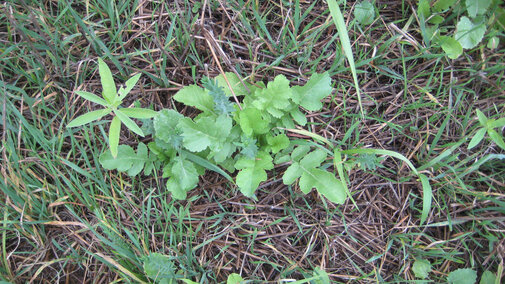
(299, 152)
(123, 160)
(238, 88)
(205, 132)
(234, 278)
(292, 173)
(140, 113)
(278, 142)
(436, 20)
(325, 183)
(492, 123)
(252, 172)
(139, 160)
(493, 42)
(496, 137)
(451, 47)
(130, 124)
(88, 117)
(313, 159)
(177, 191)
(196, 97)
(108, 85)
(206, 164)
(488, 277)
(364, 12)
(114, 130)
(310, 95)
(469, 34)
(158, 266)
(298, 116)
(275, 97)
(316, 137)
(185, 173)
(477, 7)
(222, 105)
(423, 9)
(92, 98)
(252, 121)
(421, 268)
(166, 129)
(129, 86)
(187, 281)
(427, 197)
(481, 117)
(442, 5)
(479, 135)
(462, 276)
(321, 276)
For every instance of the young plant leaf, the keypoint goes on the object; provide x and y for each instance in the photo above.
(278, 142)
(325, 183)
(479, 135)
(310, 95)
(275, 97)
(451, 47)
(234, 278)
(423, 9)
(130, 124)
(205, 132)
(139, 113)
(122, 162)
(488, 277)
(114, 130)
(108, 85)
(92, 98)
(462, 276)
(481, 117)
(129, 86)
(469, 34)
(427, 197)
(442, 5)
(496, 123)
(158, 266)
(252, 121)
(497, 138)
(421, 268)
(88, 117)
(477, 7)
(196, 97)
(252, 172)
(364, 12)
(185, 173)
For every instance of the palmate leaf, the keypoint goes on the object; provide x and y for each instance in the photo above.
(183, 176)
(252, 172)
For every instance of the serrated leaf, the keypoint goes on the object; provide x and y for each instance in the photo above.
(222, 105)
(252, 172)
(275, 97)
(196, 97)
(488, 277)
(421, 268)
(451, 47)
(158, 266)
(88, 117)
(92, 97)
(177, 191)
(313, 159)
(325, 183)
(462, 276)
(205, 132)
(298, 116)
(139, 113)
(469, 34)
(278, 142)
(114, 130)
(238, 88)
(130, 124)
(122, 162)
(364, 12)
(251, 121)
(185, 173)
(310, 95)
(496, 137)
(234, 278)
(292, 173)
(479, 135)
(477, 7)
(166, 130)
(108, 85)
(130, 83)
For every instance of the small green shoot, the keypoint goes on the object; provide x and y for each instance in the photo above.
(488, 126)
(111, 100)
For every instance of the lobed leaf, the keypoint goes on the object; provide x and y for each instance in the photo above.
(252, 172)
(310, 95)
(196, 97)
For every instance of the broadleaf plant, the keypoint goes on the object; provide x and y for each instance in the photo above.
(111, 100)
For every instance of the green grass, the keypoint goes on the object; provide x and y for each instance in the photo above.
(66, 219)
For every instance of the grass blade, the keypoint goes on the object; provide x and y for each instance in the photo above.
(427, 197)
(338, 19)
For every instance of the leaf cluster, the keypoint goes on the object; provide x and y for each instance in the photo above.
(475, 19)
(241, 140)
(488, 126)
